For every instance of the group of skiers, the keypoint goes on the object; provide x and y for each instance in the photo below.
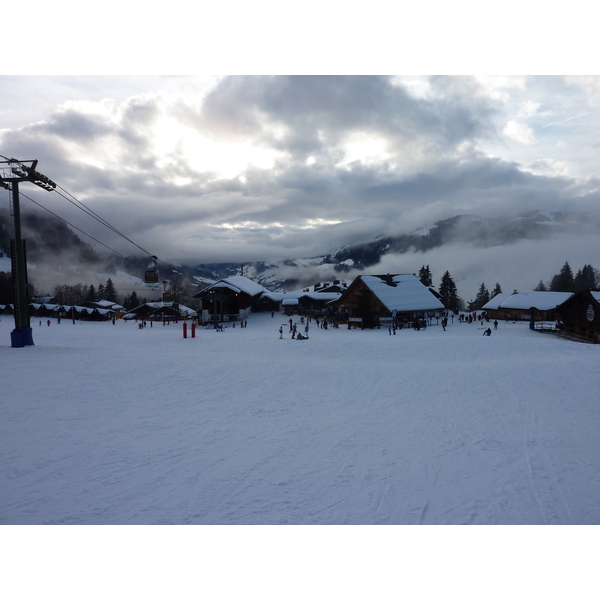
(296, 335)
(417, 324)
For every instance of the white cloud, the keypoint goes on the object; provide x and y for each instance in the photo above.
(519, 132)
(213, 168)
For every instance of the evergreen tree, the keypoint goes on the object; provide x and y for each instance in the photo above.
(109, 291)
(563, 281)
(449, 293)
(482, 298)
(541, 287)
(91, 296)
(132, 301)
(585, 279)
(101, 292)
(425, 276)
(497, 290)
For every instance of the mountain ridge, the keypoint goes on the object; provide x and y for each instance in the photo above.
(50, 240)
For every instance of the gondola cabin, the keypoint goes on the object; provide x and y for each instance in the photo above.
(151, 276)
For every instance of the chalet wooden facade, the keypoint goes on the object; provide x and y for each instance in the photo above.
(580, 316)
(526, 306)
(64, 311)
(304, 303)
(230, 299)
(117, 309)
(158, 311)
(372, 299)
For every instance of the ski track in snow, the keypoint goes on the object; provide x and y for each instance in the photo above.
(109, 424)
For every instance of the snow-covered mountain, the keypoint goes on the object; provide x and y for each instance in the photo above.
(51, 242)
(467, 231)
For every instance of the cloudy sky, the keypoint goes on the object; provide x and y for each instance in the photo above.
(216, 168)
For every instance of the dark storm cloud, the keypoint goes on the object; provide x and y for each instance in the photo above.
(73, 125)
(303, 115)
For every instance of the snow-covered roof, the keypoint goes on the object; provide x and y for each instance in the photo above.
(281, 296)
(43, 299)
(108, 304)
(595, 295)
(407, 294)
(278, 296)
(290, 302)
(184, 310)
(239, 283)
(539, 300)
(67, 308)
(496, 301)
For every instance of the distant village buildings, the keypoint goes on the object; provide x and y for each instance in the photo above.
(368, 301)
(234, 298)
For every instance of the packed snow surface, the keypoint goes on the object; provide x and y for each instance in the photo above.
(113, 424)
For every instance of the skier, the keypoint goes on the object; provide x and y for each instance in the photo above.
(487, 332)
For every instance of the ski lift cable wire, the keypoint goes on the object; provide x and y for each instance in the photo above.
(75, 227)
(79, 204)
(97, 217)
(165, 264)
(103, 221)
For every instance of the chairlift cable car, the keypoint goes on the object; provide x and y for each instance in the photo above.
(151, 276)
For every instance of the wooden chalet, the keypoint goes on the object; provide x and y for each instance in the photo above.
(118, 310)
(6, 309)
(371, 300)
(304, 303)
(159, 311)
(580, 316)
(526, 306)
(230, 299)
(65, 311)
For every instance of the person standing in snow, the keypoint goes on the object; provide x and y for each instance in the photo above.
(281, 333)
(495, 324)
